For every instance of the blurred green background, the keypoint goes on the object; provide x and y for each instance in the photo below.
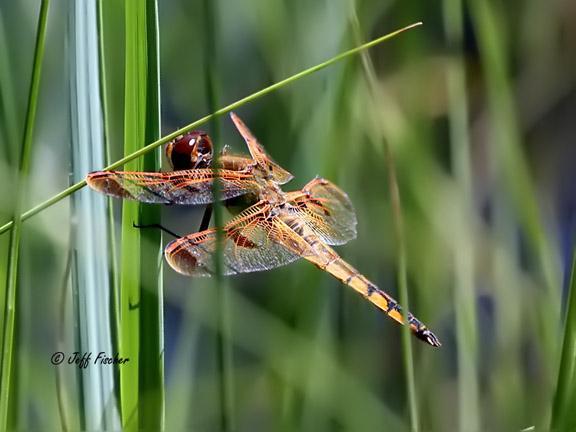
(477, 108)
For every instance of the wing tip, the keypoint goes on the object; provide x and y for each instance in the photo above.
(174, 257)
(107, 183)
(237, 120)
(182, 261)
(97, 180)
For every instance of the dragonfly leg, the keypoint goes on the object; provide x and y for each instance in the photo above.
(203, 225)
(158, 226)
(206, 218)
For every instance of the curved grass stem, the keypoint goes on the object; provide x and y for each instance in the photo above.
(398, 221)
(73, 188)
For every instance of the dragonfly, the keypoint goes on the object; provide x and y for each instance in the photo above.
(272, 228)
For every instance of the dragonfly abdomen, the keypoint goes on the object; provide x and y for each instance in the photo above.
(348, 275)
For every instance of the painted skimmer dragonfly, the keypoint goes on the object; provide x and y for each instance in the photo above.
(275, 227)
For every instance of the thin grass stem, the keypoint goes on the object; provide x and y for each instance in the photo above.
(398, 221)
(14, 248)
(402, 278)
(137, 153)
(223, 308)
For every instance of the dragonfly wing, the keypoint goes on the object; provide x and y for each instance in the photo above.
(248, 245)
(177, 187)
(326, 209)
(278, 174)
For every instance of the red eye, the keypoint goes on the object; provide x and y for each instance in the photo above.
(191, 150)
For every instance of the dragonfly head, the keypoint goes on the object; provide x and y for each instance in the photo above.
(189, 151)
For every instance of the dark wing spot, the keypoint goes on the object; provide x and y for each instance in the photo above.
(241, 240)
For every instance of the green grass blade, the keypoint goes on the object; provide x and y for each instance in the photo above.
(221, 286)
(113, 256)
(518, 201)
(110, 27)
(9, 129)
(464, 296)
(90, 259)
(14, 248)
(563, 417)
(510, 162)
(128, 335)
(8, 111)
(402, 278)
(276, 86)
(151, 361)
(134, 130)
(141, 380)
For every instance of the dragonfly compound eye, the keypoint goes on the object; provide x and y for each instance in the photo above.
(191, 150)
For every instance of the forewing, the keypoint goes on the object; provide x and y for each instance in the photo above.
(278, 174)
(249, 244)
(326, 209)
(176, 187)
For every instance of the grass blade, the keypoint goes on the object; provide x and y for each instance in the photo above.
(510, 161)
(565, 397)
(104, 25)
(398, 221)
(113, 259)
(151, 361)
(134, 130)
(90, 259)
(194, 125)
(512, 172)
(140, 335)
(14, 248)
(9, 132)
(464, 296)
(402, 278)
(222, 302)
(10, 121)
